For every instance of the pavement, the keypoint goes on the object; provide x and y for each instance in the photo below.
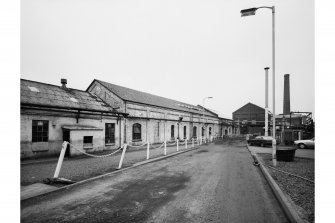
(83, 167)
(35, 190)
(303, 153)
(216, 183)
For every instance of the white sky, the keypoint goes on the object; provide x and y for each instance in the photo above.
(179, 49)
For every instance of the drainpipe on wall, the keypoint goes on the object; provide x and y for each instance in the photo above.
(146, 126)
(120, 140)
(125, 124)
(164, 127)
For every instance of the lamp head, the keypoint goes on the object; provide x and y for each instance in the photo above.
(248, 12)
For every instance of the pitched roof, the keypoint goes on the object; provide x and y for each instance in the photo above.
(128, 94)
(248, 104)
(41, 94)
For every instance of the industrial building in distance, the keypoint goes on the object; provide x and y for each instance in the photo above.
(290, 125)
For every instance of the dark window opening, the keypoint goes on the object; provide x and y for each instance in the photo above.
(210, 131)
(109, 133)
(185, 132)
(194, 131)
(137, 132)
(202, 131)
(40, 131)
(172, 131)
(88, 139)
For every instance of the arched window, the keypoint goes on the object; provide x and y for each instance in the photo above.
(210, 131)
(172, 131)
(194, 131)
(185, 132)
(137, 131)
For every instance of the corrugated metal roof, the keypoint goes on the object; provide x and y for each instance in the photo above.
(52, 95)
(150, 99)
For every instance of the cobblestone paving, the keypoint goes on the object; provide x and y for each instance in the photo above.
(81, 168)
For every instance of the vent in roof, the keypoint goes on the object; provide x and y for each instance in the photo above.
(33, 89)
(73, 99)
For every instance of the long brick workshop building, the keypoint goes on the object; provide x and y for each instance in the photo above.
(104, 117)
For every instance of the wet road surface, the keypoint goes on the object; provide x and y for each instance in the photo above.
(216, 183)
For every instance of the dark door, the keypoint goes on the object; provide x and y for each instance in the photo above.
(194, 132)
(66, 137)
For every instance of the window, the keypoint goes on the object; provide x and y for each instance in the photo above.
(88, 139)
(40, 131)
(172, 131)
(185, 132)
(194, 131)
(88, 142)
(137, 131)
(158, 129)
(202, 131)
(109, 133)
(210, 131)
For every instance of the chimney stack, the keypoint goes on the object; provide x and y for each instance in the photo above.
(286, 105)
(63, 82)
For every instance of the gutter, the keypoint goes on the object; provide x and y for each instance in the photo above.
(38, 106)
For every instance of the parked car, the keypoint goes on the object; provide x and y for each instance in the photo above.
(261, 141)
(303, 144)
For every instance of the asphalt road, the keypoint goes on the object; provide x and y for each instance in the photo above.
(216, 183)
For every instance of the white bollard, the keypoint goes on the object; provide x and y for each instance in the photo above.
(165, 148)
(185, 143)
(148, 150)
(177, 145)
(192, 142)
(274, 155)
(60, 160)
(122, 156)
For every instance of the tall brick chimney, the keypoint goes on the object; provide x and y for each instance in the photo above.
(286, 105)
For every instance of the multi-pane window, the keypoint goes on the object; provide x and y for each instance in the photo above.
(185, 132)
(40, 131)
(109, 133)
(137, 131)
(172, 131)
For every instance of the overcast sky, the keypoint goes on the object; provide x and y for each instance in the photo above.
(179, 49)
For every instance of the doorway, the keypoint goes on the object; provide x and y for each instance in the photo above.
(66, 137)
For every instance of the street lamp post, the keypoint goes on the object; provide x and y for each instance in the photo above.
(249, 12)
(266, 102)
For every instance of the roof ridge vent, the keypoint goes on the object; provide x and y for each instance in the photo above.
(63, 81)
